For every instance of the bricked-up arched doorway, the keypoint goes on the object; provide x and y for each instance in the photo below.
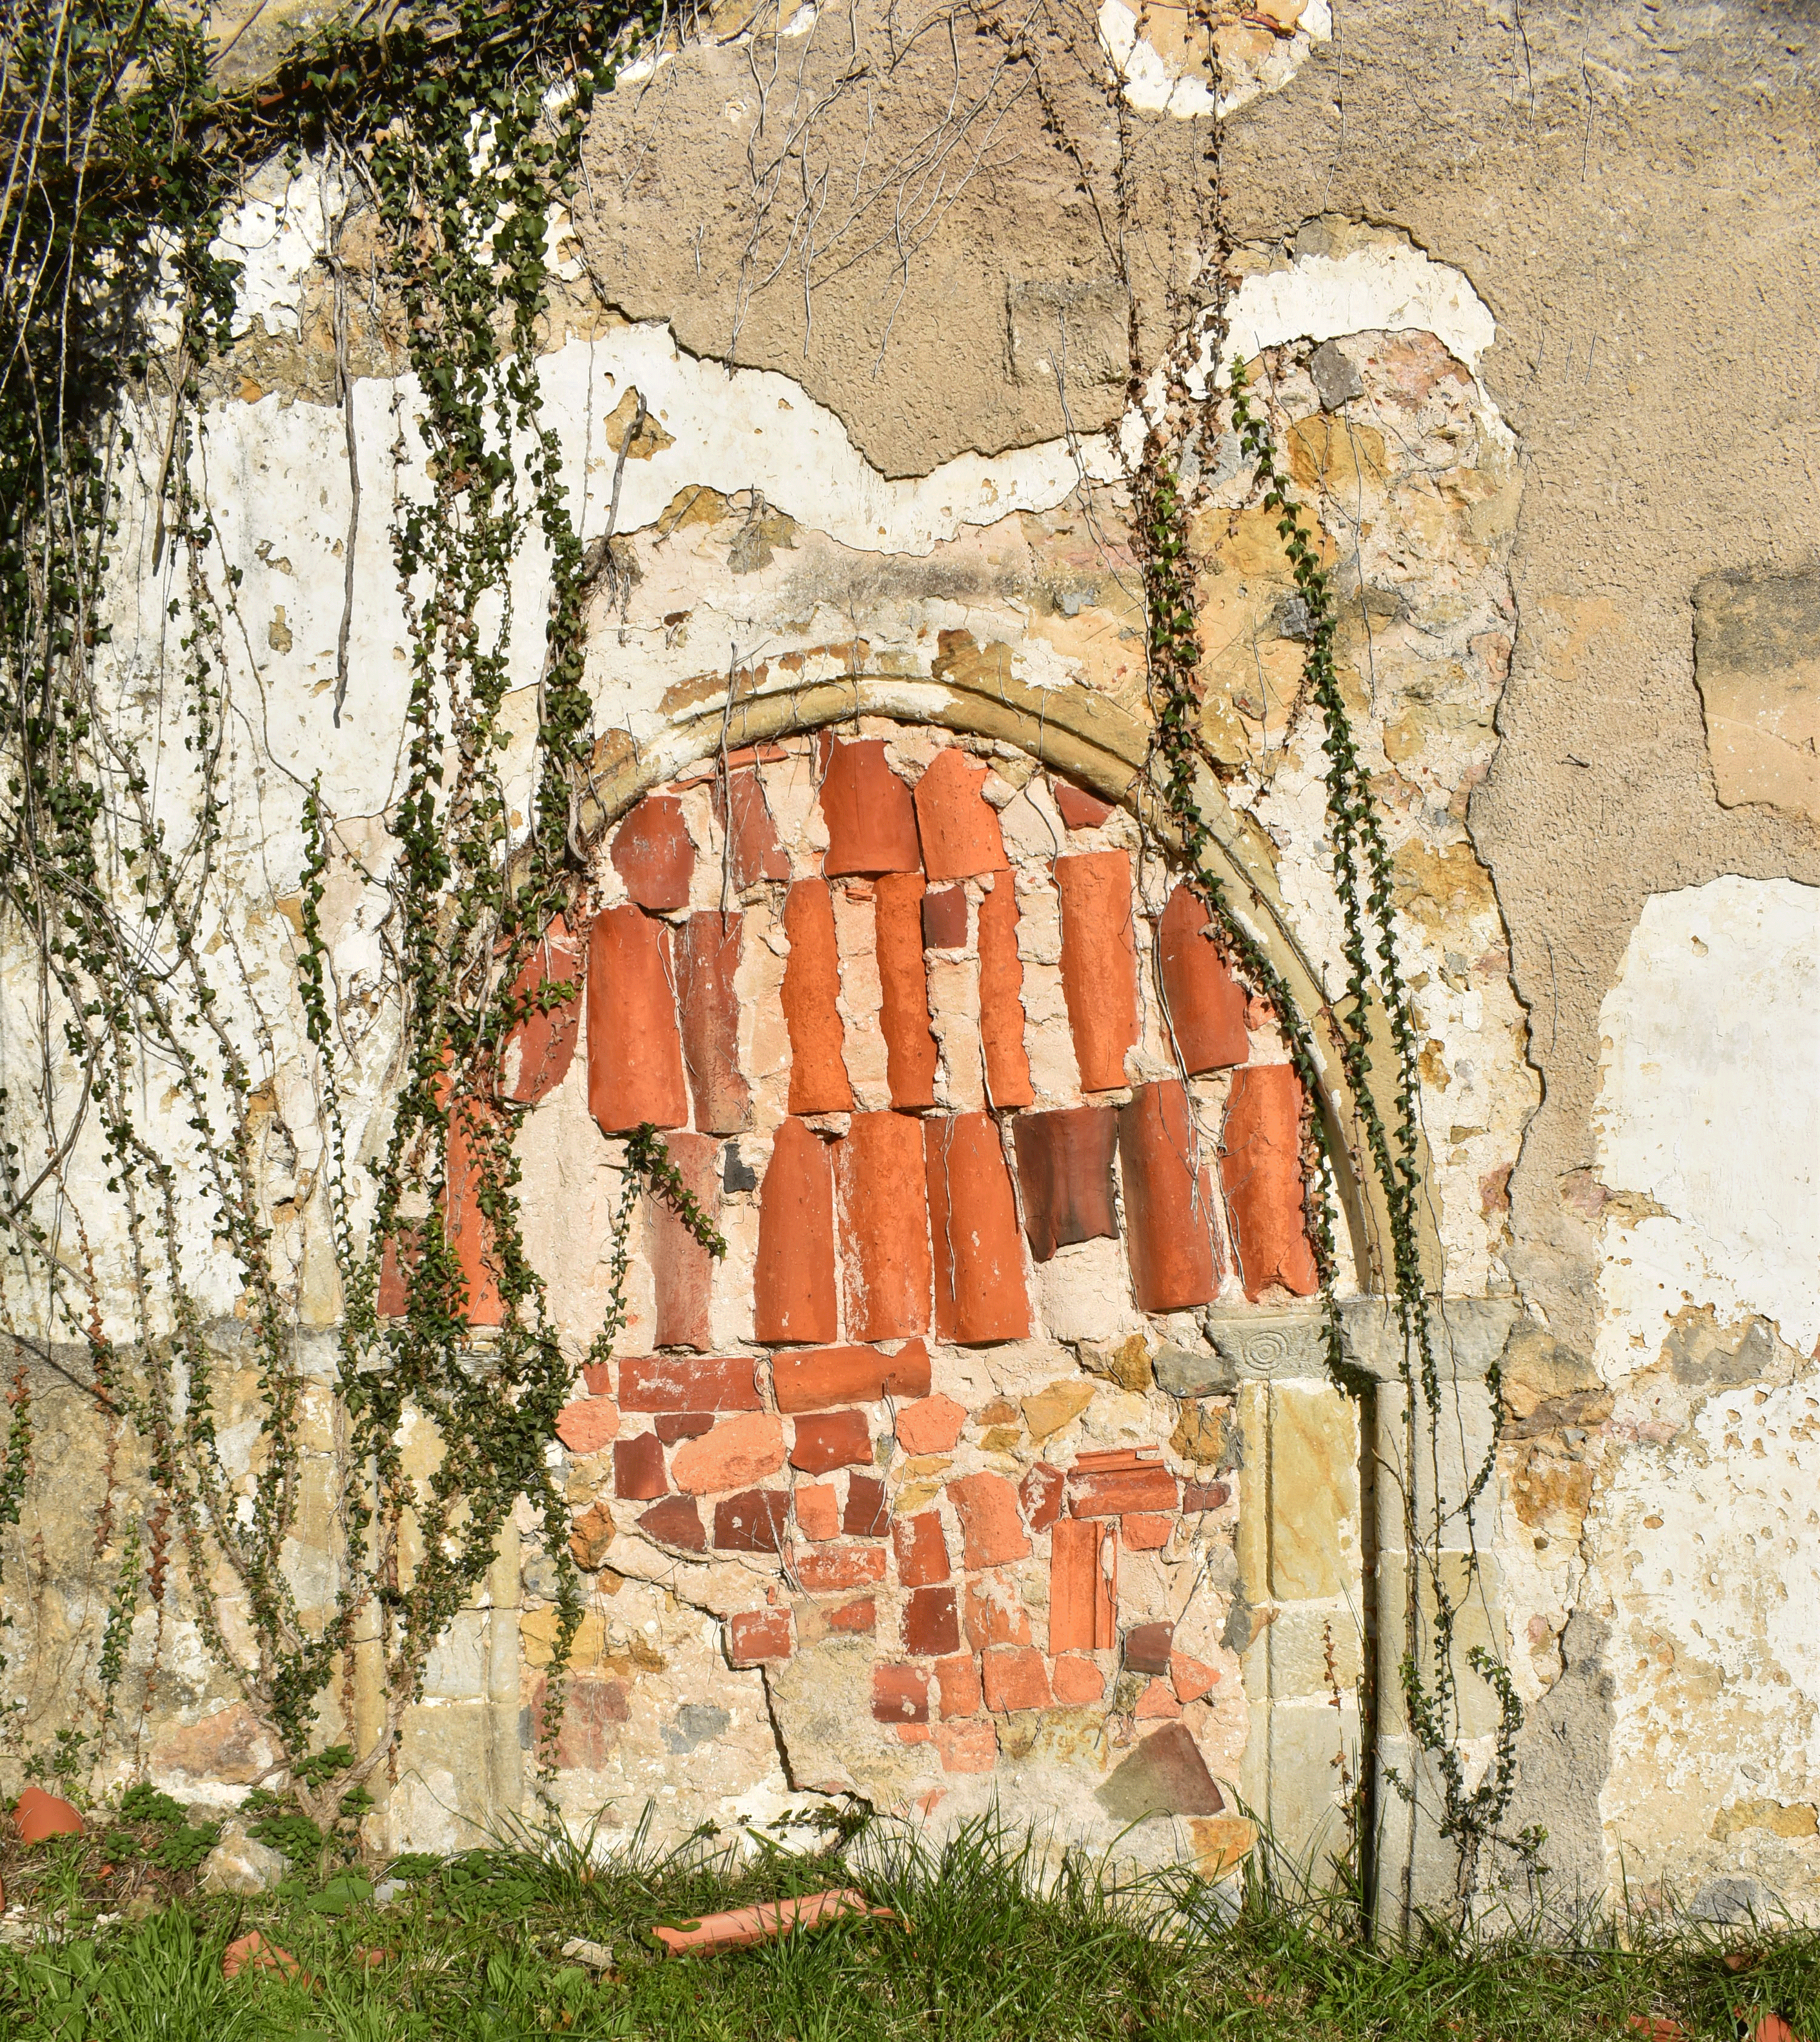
(990, 1128)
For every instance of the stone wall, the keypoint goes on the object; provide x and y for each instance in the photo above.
(999, 1457)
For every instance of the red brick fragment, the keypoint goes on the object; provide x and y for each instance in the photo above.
(251, 1953)
(397, 1266)
(903, 986)
(1076, 1681)
(967, 1747)
(638, 1468)
(930, 1626)
(1014, 1678)
(945, 919)
(958, 826)
(1261, 1172)
(1064, 1170)
(652, 853)
(826, 1377)
(1098, 962)
(922, 1549)
(1190, 1678)
(675, 1521)
(811, 990)
(542, 1045)
(1083, 1586)
(733, 1454)
(881, 1204)
(992, 1532)
(1205, 1496)
(839, 1439)
(688, 1382)
(634, 1049)
(1040, 1493)
(1079, 809)
(683, 1269)
(959, 1680)
(792, 1285)
(994, 1614)
(755, 852)
(1143, 1533)
(472, 1127)
(859, 1617)
(899, 1695)
(1158, 1703)
(1205, 1004)
(756, 1635)
(1111, 1492)
(589, 1424)
(931, 1426)
(829, 1569)
(673, 1425)
(753, 1522)
(980, 1294)
(867, 1515)
(1147, 1647)
(1168, 1200)
(708, 1001)
(871, 823)
(38, 1816)
(817, 1510)
(1001, 999)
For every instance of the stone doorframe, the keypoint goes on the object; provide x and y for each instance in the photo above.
(1261, 1356)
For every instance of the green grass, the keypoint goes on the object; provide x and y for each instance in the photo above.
(981, 1953)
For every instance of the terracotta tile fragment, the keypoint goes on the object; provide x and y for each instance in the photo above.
(586, 1425)
(1083, 1586)
(1040, 1494)
(683, 1269)
(991, 1531)
(251, 1953)
(820, 1380)
(829, 1569)
(1014, 1678)
(968, 1747)
(395, 1268)
(707, 957)
(1147, 1647)
(1001, 999)
(1168, 1200)
(652, 853)
(1157, 1702)
(543, 1043)
(755, 852)
(811, 988)
(793, 1283)
(881, 1202)
(899, 1695)
(752, 1522)
(930, 1626)
(673, 1425)
(958, 826)
(1144, 1533)
(871, 823)
(994, 1614)
(471, 1126)
(638, 1468)
(1111, 1492)
(1260, 1169)
(1205, 1004)
(634, 1048)
(922, 1550)
(1098, 962)
(1076, 1681)
(37, 1815)
(817, 1510)
(945, 919)
(839, 1439)
(1190, 1678)
(732, 1454)
(689, 1383)
(931, 1426)
(980, 1294)
(756, 1635)
(1065, 1171)
(1079, 809)
(857, 1617)
(1205, 1496)
(959, 1680)
(904, 982)
(741, 1926)
(675, 1521)
(1165, 1775)
(867, 1515)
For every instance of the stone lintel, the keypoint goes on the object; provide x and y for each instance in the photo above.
(1242, 1344)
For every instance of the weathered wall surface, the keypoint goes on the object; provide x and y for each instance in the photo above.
(1524, 291)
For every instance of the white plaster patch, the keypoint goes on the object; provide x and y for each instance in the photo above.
(1386, 286)
(1708, 1109)
(1154, 83)
(277, 235)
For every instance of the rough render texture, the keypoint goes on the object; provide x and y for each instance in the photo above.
(1572, 638)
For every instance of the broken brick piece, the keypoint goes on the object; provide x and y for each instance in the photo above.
(1079, 809)
(1143, 1533)
(1098, 962)
(587, 1425)
(881, 1202)
(756, 1635)
(753, 1522)
(682, 1268)
(1014, 1678)
(957, 1680)
(1076, 1681)
(931, 1426)
(993, 1615)
(991, 1531)
(817, 1511)
(707, 949)
(675, 1521)
(858, 1616)
(1040, 1494)
(930, 1626)
(945, 919)
(740, 809)
(871, 821)
(899, 1695)
(688, 1382)
(826, 1377)
(1147, 1647)
(867, 1515)
(638, 1468)
(1261, 1169)
(922, 1549)
(543, 1043)
(1168, 1200)
(732, 1454)
(653, 853)
(838, 1439)
(831, 1568)
(968, 1747)
(980, 1293)
(1111, 1492)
